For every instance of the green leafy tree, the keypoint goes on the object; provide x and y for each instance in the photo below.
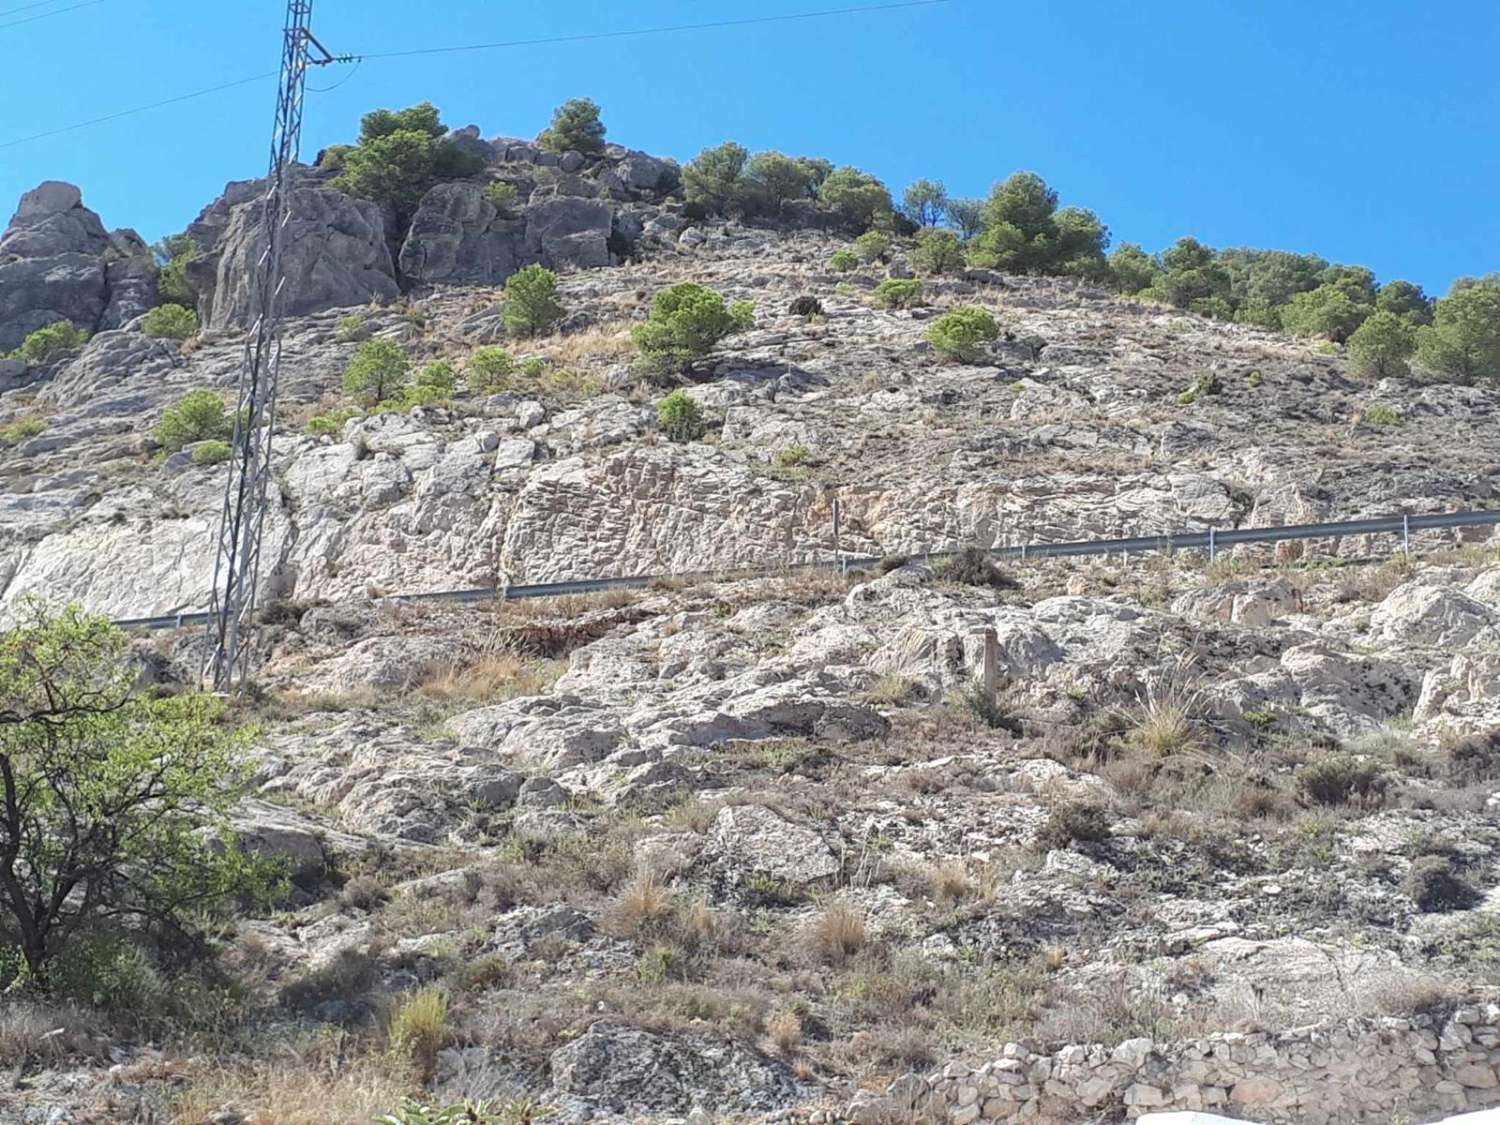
(686, 322)
(938, 252)
(1464, 339)
(1268, 278)
(964, 334)
(925, 203)
(490, 370)
(170, 322)
(967, 217)
(1406, 300)
(377, 372)
(715, 178)
(775, 180)
(400, 156)
(681, 417)
(531, 306)
(1380, 347)
(1260, 312)
(58, 339)
(198, 416)
(1131, 269)
(576, 127)
(843, 261)
(1026, 233)
(857, 198)
(1327, 311)
(114, 807)
(1355, 282)
(1190, 271)
(172, 256)
(423, 118)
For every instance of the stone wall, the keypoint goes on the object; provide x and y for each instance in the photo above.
(1363, 1071)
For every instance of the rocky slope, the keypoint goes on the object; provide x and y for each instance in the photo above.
(755, 848)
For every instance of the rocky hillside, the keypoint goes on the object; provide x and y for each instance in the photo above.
(751, 849)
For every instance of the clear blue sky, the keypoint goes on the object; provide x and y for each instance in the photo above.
(1367, 131)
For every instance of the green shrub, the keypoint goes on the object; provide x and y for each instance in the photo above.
(532, 368)
(1205, 385)
(377, 372)
(353, 328)
(938, 252)
(109, 973)
(418, 1028)
(170, 322)
(1382, 416)
(211, 452)
(490, 370)
(199, 416)
(56, 340)
(434, 385)
(1380, 347)
(332, 423)
(898, 293)
(1326, 311)
(172, 256)
(857, 198)
(843, 261)
(501, 196)
(686, 322)
(714, 179)
(681, 417)
(964, 334)
(576, 127)
(872, 246)
(925, 203)
(967, 217)
(1464, 339)
(1026, 232)
(772, 180)
(400, 156)
(792, 456)
(1436, 887)
(22, 429)
(531, 306)
(1341, 779)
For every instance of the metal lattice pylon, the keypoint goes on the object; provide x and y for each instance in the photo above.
(237, 566)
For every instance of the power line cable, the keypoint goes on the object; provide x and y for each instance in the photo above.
(663, 30)
(44, 15)
(28, 7)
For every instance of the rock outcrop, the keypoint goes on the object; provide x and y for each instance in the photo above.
(57, 262)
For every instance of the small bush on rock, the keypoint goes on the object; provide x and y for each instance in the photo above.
(857, 198)
(964, 334)
(170, 322)
(1341, 779)
(332, 423)
(501, 196)
(681, 417)
(872, 246)
(973, 566)
(200, 416)
(490, 370)
(1436, 888)
(353, 328)
(378, 372)
(531, 305)
(173, 255)
(686, 322)
(22, 429)
(1074, 822)
(938, 252)
(211, 452)
(56, 340)
(418, 1028)
(576, 127)
(843, 261)
(898, 293)
(1381, 346)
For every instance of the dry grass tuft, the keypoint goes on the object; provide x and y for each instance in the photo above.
(644, 907)
(950, 882)
(299, 1092)
(418, 1029)
(837, 933)
(784, 1029)
(491, 679)
(608, 341)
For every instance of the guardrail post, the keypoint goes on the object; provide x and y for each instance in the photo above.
(1406, 535)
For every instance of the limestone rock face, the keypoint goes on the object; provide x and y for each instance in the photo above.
(457, 235)
(334, 256)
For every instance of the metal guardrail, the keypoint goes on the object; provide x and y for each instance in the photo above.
(1211, 540)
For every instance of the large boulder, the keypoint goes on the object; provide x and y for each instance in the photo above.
(334, 253)
(36, 292)
(630, 1070)
(458, 236)
(568, 230)
(51, 219)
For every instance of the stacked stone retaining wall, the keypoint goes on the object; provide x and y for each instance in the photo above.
(1385, 1070)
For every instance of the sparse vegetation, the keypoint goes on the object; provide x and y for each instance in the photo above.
(56, 340)
(212, 452)
(681, 417)
(1341, 779)
(401, 154)
(576, 127)
(872, 246)
(964, 334)
(170, 322)
(843, 261)
(352, 328)
(22, 429)
(377, 373)
(198, 416)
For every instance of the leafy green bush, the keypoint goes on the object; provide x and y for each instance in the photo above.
(1406, 300)
(332, 423)
(1382, 416)
(172, 256)
(681, 417)
(198, 416)
(714, 179)
(490, 369)
(532, 368)
(576, 127)
(872, 246)
(1381, 346)
(531, 306)
(377, 372)
(1026, 232)
(211, 452)
(400, 156)
(773, 180)
(857, 198)
(170, 322)
(501, 196)
(938, 252)
(434, 384)
(1131, 269)
(844, 260)
(964, 334)
(1464, 339)
(686, 322)
(113, 805)
(60, 338)
(898, 293)
(1326, 311)
(22, 429)
(352, 328)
